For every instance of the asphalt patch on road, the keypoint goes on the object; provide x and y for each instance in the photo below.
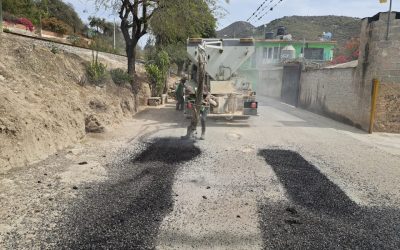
(318, 214)
(169, 150)
(126, 211)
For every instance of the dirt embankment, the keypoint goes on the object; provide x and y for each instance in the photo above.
(44, 107)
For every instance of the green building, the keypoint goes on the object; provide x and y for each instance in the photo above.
(275, 51)
(271, 54)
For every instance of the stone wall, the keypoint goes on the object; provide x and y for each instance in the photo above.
(388, 108)
(380, 59)
(335, 93)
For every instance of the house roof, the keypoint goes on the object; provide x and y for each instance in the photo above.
(295, 41)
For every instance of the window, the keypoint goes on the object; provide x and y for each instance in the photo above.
(314, 54)
(272, 53)
(265, 53)
(277, 52)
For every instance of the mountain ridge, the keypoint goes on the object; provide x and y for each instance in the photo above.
(343, 28)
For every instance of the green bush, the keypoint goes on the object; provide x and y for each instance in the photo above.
(120, 77)
(155, 76)
(54, 49)
(55, 25)
(101, 43)
(77, 41)
(96, 71)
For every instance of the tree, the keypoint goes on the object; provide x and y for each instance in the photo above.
(64, 12)
(36, 9)
(135, 16)
(98, 23)
(177, 21)
(352, 48)
(351, 51)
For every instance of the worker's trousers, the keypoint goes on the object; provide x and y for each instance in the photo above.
(203, 118)
(180, 103)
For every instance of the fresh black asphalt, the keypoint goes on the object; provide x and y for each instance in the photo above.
(126, 211)
(319, 215)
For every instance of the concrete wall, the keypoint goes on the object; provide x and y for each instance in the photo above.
(270, 82)
(335, 93)
(344, 94)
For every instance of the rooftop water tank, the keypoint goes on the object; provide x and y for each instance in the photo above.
(327, 36)
(288, 52)
(269, 35)
(281, 31)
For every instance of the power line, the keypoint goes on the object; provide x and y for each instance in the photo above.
(256, 11)
(266, 6)
(269, 10)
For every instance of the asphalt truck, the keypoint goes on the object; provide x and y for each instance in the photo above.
(232, 95)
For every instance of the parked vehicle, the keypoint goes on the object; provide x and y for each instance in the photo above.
(232, 96)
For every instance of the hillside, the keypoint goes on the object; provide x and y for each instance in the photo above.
(307, 27)
(45, 105)
(237, 29)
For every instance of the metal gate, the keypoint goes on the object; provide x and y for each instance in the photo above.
(291, 83)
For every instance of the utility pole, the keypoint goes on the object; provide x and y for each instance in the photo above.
(388, 23)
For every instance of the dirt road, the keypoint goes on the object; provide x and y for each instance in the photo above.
(286, 179)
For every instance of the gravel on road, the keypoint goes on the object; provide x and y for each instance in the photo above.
(318, 214)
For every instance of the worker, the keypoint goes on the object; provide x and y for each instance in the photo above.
(204, 110)
(180, 93)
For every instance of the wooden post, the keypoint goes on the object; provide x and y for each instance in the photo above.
(375, 90)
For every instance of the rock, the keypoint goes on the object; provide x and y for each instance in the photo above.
(75, 187)
(83, 163)
(98, 105)
(204, 197)
(92, 125)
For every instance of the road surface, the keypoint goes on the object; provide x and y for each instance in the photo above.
(287, 179)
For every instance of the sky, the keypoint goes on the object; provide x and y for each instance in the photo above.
(241, 10)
